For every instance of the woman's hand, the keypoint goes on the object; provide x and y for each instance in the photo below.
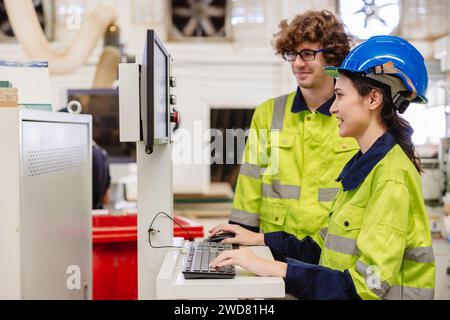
(252, 262)
(242, 236)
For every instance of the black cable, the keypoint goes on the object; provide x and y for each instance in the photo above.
(150, 230)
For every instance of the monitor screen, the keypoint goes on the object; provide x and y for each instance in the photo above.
(103, 105)
(155, 105)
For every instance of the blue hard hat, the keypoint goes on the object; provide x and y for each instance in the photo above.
(409, 64)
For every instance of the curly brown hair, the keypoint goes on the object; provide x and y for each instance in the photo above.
(314, 26)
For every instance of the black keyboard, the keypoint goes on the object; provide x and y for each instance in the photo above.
(198, 258)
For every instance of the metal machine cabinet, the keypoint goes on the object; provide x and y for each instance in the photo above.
(45, 205)
(441, 249)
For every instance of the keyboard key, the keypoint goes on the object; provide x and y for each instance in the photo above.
(205, 265)
(200, 256)
(197, 263)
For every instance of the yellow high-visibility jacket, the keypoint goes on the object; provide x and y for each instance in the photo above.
(377, 244)
(379, 231)
(291, 160)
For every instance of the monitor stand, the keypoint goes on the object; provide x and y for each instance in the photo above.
(154, 195)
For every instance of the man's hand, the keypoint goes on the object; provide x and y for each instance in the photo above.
(242, 236)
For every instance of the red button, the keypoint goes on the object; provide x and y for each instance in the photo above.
(175, 117)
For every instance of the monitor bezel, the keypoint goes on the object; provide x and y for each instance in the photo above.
(153, 41)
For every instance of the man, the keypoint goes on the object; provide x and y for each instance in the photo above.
(291, 188)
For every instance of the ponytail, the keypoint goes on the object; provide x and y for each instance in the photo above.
(401, 130)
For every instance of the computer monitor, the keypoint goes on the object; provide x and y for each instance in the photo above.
(155, 104)
(103, 105)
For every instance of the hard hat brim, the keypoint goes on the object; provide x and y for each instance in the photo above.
(334, 72)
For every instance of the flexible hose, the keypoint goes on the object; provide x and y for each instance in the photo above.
(25, 23)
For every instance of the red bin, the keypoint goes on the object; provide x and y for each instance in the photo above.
(114, 257)
(195, 230)
(115, 254)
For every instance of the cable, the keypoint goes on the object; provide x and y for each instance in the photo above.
(150, 230)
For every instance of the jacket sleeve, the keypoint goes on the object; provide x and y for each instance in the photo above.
(313, 282)
(248, 192)
(305, 279)
(283, 246)
(382, 240)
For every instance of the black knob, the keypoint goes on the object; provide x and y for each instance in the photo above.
(173, 99)
(173, 82)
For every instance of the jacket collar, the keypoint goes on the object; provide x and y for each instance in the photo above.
(359, 167)
(299, 104)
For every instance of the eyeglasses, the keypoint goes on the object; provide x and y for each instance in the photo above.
(306, 54)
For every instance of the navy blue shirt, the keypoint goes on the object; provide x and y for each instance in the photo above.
(304, 277)
(358, 168)
(100, 176)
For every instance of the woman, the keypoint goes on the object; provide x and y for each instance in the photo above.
(378, 243)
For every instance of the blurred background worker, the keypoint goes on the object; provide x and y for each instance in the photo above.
(101, 178)
(293, 190)
(378, 243)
